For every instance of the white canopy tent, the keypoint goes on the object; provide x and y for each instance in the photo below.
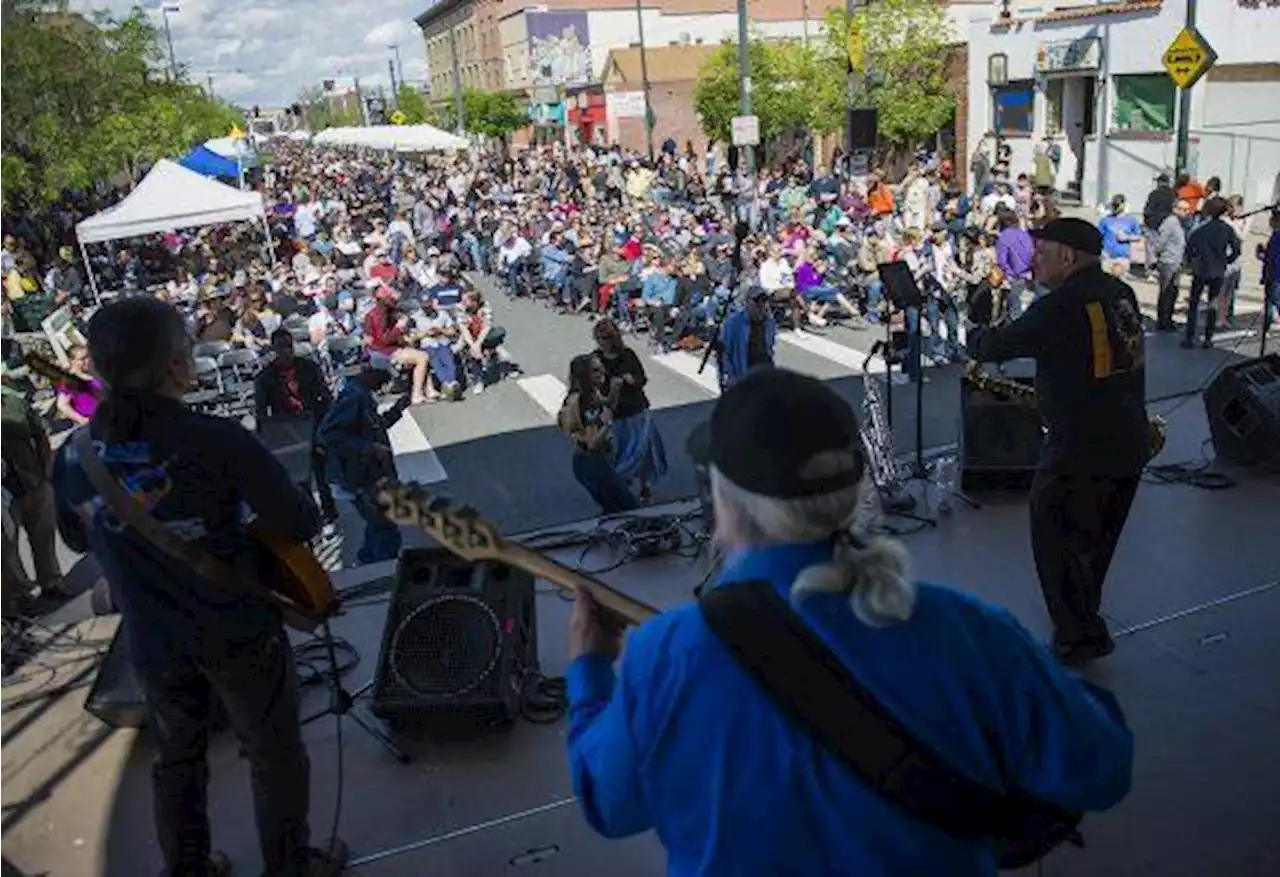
(238, 148)
(170, 197)
(397, 138)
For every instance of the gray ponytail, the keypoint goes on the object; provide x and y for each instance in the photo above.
(874, 572)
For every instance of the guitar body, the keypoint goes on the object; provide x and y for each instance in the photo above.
(298, 583)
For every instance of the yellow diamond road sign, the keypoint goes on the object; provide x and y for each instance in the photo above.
(398, 118)
(1188, 57)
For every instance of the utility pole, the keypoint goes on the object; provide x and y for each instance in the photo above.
(854, 88)
(744, 85)
(395, 92)
(395, 47)
(361, 109)
(211, 97)
(806, 23)
(168, 38)
(1184, 108)
(459, 104)
(644, 78)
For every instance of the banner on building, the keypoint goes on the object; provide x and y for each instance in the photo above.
(559, 48)
(625, 104)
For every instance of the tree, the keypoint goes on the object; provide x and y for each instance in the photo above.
(906, 44)
(491, 113)
(794, 87)
(85, 98)
(414, 106)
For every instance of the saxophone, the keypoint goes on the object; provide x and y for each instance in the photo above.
(1157, 426)
(877, 442)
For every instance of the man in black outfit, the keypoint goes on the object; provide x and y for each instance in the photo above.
(291, 386)
(1086, 338)
(1159, 205)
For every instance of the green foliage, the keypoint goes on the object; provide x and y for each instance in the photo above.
(84, 99)
(906, 45)
(489, 113)
(794, 87)
(414, 106)
(322, 113)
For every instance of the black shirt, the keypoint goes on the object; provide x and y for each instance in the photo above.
(1158, 207)
(1086, 338)
(757, 349)
(631, 400)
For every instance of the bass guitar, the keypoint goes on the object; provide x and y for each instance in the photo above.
(56, 374)
(461, 530)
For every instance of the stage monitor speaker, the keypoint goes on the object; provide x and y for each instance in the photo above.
(1000, 439)
(116, 697)
(863, 128)
(460, 644)
(1243, 407)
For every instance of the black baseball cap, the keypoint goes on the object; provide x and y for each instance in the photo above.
(1078, 234)
(781, 434)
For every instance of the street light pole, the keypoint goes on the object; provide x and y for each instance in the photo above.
(1184, 108)
(211, 97)
(459, 102)
(744, 82)
(644, 78)
(395, 47)
(168, 38)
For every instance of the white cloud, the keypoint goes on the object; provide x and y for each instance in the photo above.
(266, 51)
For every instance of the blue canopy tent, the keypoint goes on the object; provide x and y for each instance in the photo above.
(205, 161)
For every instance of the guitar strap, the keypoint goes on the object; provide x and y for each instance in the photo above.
(133, 514)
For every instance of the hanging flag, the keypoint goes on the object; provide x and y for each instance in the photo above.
(236, 133)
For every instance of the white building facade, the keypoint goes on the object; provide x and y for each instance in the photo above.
(1089, 75)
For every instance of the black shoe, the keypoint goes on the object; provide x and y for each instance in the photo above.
(219, 865)
(1082, 652)
(328, 860)
(1207, 344)
(1186, 344)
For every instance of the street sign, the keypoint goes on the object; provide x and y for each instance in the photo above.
(746, 131)
(398, 118)
(1188, 57)
(855, 47)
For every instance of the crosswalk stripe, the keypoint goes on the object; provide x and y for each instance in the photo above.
(415, 459)
(547, 391)
(686, 365)
(847, 357)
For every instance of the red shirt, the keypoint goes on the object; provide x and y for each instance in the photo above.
(632, 250)
(380, 331)
(383, 271)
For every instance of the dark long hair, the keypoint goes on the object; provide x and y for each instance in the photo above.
(582, 382)
(132, 343)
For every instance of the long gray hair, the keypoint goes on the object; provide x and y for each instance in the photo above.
(874, 572)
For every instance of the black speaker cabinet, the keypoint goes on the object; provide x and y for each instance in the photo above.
(864, 129)
(460, 642)
(1243, 407)
(1000, 439)
(116, 697)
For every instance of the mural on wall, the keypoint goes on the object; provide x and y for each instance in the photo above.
(558, 48)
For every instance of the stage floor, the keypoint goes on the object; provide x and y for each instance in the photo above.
(1194, 593)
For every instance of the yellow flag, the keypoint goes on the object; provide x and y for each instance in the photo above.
(236, 133)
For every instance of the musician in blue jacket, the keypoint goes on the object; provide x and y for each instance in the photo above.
(748, 338)
(679, 739)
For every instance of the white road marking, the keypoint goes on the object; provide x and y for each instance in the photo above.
(686, 365)
(547, 391)
(414, 456)
(848, 357)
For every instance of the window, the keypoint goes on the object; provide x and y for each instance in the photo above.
(1014, 106)
(1144, 103)
(1053, 91)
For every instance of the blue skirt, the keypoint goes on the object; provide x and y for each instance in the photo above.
(640, 455)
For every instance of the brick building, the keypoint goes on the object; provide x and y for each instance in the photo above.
(673, 74)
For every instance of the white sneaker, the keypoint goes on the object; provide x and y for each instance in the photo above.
(479, 388)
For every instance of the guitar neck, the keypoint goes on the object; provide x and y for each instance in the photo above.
(610, 599)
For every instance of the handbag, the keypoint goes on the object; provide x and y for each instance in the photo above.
(818, 693)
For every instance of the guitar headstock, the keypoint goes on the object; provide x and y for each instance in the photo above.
(457, 527)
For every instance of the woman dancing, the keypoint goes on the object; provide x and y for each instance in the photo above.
(587, 418)
(640, 457)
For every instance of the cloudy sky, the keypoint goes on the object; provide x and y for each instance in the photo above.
(265, 51)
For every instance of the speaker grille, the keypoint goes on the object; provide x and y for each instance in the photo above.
(446, 647)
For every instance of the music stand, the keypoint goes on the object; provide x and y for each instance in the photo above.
(902, 292)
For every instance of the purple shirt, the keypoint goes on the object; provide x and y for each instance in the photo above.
(807, 277)
(83, 402)
(1014, 249)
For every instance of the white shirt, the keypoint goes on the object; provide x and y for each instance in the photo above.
(776, 275)
(512, 251)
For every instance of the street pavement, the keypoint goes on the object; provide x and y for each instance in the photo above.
(501, 453)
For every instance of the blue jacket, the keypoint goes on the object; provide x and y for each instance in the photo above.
(348, 434)
(659, 287)
(555, 264)
(734, 338)
(681, 741)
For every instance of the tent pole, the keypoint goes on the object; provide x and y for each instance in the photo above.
(93, 284)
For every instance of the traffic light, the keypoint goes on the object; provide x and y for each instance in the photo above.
(255, 111)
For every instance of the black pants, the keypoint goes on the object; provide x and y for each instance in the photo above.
(1076, 522)
(1210, 287)
(259, 687)
(1167, 277)
(328, 508)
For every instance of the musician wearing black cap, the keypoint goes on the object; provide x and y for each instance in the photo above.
(683, 740)
(1086, 338)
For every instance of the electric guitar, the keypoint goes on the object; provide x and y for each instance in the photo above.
(460, 529)
(56, 374)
